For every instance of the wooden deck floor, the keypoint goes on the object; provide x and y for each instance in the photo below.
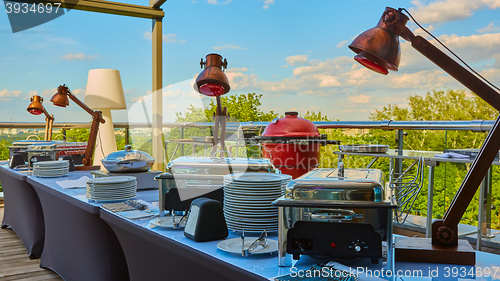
(14, 261)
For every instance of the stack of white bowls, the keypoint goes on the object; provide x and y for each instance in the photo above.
(50, 169)
(112, 189)
(248, 198)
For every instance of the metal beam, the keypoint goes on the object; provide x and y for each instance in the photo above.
(106, 7)
(157, 95)
(156, 4)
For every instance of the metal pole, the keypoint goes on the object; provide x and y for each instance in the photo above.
(480, 215)
(182, 145)
(399, 143)
(157, 94)
(430, 200)
(127, 136)
(487, 204)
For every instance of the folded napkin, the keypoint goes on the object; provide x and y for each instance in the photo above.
(79, 183)
(452, 155)
(149, 205)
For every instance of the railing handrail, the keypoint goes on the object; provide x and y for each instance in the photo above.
(462, 125)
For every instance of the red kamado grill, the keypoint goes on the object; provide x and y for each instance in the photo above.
(293, 144)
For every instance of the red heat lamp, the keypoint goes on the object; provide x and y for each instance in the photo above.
(212, 90)
(213, 82)
(378, 49)
(61, 98)
(36, 108)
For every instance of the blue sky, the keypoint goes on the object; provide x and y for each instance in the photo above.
(293, 52)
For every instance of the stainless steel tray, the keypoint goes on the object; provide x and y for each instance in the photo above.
(368, 148)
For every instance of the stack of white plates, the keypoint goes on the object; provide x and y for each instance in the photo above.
(112, 188)
(46, 169)
(248, 198)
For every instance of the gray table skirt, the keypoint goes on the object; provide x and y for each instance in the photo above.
(22, 211)
(78, 244)
(151, 256)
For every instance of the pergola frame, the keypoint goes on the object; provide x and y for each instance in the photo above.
(153, 12)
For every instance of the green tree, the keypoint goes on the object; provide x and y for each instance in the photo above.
(442, 106)
(241, 108)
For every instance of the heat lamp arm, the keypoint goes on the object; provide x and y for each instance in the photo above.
(491, 145)
(49, 122)
(450, 66)
(95, 114)
(94, 129)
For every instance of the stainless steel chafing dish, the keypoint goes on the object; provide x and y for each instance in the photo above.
(194, 176)
(332, 215)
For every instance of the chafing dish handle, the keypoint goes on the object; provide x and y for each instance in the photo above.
(335, 214)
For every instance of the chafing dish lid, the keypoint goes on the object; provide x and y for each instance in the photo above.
(128, 154)
(214, 165)
(360, 185)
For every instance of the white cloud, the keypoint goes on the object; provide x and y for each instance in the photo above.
(33, 93)
(490, 28)
(234, 69)
(295, 60)
(5, 95)
(360, 99)
(167, 38)
(215, 2)
(80, 57)
(229, 46)
(79, 93)
(267, 3)
(448, 10)
(48, 93)
(172, 38)
(329, 81)
(341, 44)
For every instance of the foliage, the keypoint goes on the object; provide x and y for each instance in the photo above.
(435, 106)
(241, 108)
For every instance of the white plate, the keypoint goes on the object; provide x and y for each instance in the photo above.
(165, 222)
(110, 199)
(49, 175)
(253, 189)
(256, 177)
(234, 246)
(93, 187)
(51, 163)
(252, 199)
(260, 184)
(112, 180)
(251, 218)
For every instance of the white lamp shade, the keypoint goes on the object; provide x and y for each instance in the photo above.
(104, 90)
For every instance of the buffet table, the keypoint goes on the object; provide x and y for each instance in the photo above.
(86, 242)
(22, 210)
(78, 244)
(154, 253)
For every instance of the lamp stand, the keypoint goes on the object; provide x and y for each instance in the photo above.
(106, 142)
(444, 243)
(220, 120)
(49, 122)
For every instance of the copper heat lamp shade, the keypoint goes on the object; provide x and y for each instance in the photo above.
(36, 106)
(378, 48)
(212, 81)
(61, 97)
